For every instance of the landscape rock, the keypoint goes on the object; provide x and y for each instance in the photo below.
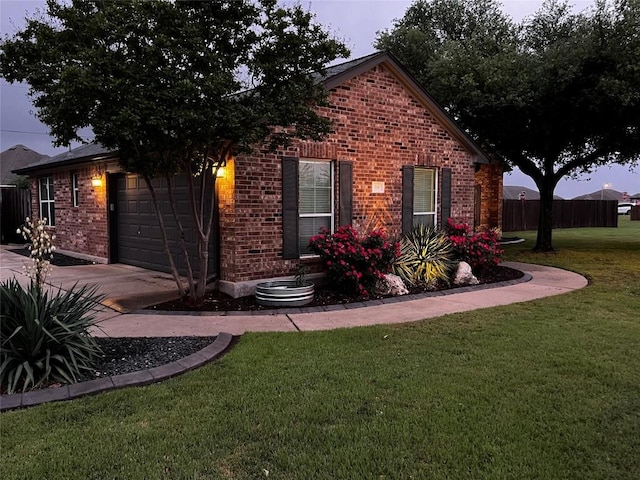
(464, 275)
(392, 285)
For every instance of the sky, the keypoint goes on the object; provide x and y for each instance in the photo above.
(356, 22)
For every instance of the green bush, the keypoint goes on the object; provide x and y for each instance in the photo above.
(426, 257)
(44, 335)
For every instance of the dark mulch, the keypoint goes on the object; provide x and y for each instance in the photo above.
(58, 259)
(131, 354)
(217, 301)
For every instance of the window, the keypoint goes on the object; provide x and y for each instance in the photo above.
(315, 187)
(424, 196)
(47, 208)
(75, 190)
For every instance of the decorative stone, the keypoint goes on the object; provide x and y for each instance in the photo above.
(464, 275)
(392, 285)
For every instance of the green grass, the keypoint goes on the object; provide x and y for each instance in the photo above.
(548, 389)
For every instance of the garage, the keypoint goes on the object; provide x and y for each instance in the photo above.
(135, 234)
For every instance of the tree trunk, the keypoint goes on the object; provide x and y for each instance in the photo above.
(183, 244)
(545, 219)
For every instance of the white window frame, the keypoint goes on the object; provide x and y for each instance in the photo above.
(47, 203)
(331, 214)
(75, 189)
(434, 212)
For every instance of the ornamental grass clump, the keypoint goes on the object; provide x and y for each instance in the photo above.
(481, 250)
(355, 264)
(426, 257)
(44, 334)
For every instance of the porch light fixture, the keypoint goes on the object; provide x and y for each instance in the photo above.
(96, 181)
(221, 169)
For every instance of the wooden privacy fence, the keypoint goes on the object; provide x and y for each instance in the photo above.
(15, 206)
(518, 215)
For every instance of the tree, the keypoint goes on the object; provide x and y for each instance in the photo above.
(556, 96)
(175, 87)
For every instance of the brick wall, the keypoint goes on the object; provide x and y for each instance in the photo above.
(489, 178)
(81, 229)
(380, 127)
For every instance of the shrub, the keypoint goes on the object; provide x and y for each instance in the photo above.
(480, 250)
(45, 337)
(353, 264)
(426, 257)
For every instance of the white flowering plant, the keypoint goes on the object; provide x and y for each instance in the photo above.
(41, 248)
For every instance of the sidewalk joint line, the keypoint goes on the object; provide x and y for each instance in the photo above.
(292, 322)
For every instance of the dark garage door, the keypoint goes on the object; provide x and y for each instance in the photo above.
(138, 237)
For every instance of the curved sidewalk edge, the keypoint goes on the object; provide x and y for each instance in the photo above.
(538, 282)
(143, 377)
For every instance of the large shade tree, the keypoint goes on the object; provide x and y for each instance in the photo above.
(175, 86)
(555, 96)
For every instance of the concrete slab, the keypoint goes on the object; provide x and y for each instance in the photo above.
(127, 288)
(135, 325)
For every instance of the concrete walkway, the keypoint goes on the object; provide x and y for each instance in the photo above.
(128, 289)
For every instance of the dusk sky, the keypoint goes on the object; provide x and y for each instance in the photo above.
(356, 22)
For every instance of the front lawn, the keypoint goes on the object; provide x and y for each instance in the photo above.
(548, 389)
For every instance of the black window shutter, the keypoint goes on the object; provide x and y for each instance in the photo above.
(445, 203)
(290, 237)
(407, 198)
(346, 193)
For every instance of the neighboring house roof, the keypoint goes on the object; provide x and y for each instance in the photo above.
(512, 192)
(333, 77)
(635, 196)
(84, 153)
(603, 194)
(18, 157)
(338, 74)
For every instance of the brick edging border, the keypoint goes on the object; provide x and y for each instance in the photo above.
(526, 277)
(143, 377)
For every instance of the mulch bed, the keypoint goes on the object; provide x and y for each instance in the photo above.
(216, 301)
(131, 354)
(58, 259)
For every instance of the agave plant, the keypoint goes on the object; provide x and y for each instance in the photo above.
(426, 257)
(44, 336)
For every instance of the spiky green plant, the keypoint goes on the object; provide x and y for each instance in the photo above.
(426, 257)
(44, 336)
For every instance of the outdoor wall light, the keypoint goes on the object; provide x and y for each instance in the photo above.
(221, 169)
(96, 181)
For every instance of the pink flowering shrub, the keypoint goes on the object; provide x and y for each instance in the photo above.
(480, 250)
(354, 264)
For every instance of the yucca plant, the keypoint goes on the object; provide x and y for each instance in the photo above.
(426, 257)
(44, 335)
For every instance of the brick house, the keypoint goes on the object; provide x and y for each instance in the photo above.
(394, 158)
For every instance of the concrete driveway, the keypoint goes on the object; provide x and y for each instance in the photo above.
(125, 287)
